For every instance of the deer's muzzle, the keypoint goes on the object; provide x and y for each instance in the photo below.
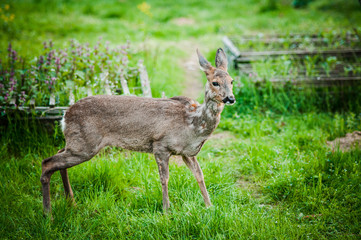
(229, 100)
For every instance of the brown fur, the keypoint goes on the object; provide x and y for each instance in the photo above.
(164, 127)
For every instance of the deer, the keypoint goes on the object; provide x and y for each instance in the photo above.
(162, 126)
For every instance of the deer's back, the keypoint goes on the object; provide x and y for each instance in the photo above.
(129, 122)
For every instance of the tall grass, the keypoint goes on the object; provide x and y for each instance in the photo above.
(286, 98)
(297, 187)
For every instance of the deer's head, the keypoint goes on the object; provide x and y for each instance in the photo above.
(219, 87)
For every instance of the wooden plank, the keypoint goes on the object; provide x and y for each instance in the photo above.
(13, 102)
(32, 104)
(71, 98)
(52, 100)
(247, 57)
(104, 78)
(43, 108)
(252, 37)
(124, 84)
(231, 47)
(310, 79)
(144, 80)
(295, 40)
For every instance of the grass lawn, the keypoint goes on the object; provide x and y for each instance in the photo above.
(270, 174)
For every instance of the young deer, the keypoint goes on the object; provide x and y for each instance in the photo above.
(164, 127)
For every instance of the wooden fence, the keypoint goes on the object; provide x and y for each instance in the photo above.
(244, 60)
(53, 112)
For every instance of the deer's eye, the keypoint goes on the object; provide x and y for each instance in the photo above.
(232, 82)
(216, 84)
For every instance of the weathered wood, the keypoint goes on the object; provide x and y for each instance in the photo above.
(322, 41)
(52, 100)
(231, 47)
(247, 57)
(144, 80)
(89, 91)
(301, 36)
(71, 98)
(53, 112)
(310, 80)
(104, 78)
(163, 95)
(32, 104)
(13, 101)
(124, 84)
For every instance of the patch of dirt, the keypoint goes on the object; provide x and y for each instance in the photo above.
(346, 143)
(222, 135)
(250, 187)
(182, 21)
(216, 136)
(193, 78)
(177, 160)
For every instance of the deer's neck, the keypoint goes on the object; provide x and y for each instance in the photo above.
(207, 116)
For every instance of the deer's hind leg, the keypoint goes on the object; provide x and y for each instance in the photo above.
(67, 188)
(66, 183)
(60, 161)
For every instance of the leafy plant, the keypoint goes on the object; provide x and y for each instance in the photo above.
(77, 69)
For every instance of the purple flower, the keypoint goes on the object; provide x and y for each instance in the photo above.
(14, 55)
(41, 60)
(45, 45)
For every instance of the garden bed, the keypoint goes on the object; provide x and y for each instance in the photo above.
(316, 59)
(47, 85)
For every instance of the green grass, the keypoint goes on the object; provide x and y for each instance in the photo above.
(290, 171)
(274, 177)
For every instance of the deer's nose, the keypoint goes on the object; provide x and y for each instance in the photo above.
(229, 100)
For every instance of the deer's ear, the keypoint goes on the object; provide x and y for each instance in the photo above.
(203, 63)
(221, 59)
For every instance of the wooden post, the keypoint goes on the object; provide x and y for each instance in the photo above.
(235, 53)
(31, 105)
(71, 98)
(13, 101)
(52, 100)
(144, 80)
(124, 84)
(89, 91)
(104, 79)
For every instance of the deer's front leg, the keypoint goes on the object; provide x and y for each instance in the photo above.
(193, 165)
(162, 159)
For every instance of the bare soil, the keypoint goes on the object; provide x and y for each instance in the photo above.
(351, 140)
(182, 21)
(193, 75)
